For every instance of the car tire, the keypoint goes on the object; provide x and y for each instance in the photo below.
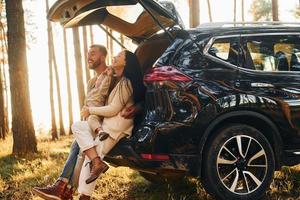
(238, 163)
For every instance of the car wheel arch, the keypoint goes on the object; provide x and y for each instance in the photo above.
(235, 117)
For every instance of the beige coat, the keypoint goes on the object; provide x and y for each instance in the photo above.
(119, 99)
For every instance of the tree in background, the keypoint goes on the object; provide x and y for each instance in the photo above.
(50, 60)
(275, 10)
(4, 129)
(261, 10)
(194, 7)
(234, 10)
(78, 60)
(85, 49)
(209, 11)
(297, 11)
(243, 10)
(24, 140)
(68, 81)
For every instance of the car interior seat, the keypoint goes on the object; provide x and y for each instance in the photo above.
(281, 61)
(295, 63)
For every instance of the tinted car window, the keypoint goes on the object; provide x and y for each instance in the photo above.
(226, 49)
(272, 53)
(184, 54)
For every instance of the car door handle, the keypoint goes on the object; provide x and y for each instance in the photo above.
(268, 85)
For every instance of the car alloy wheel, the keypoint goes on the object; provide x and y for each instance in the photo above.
(242, 164)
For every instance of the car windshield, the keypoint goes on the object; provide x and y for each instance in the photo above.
(128, 13)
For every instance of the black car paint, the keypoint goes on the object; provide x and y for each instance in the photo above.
(221, 94)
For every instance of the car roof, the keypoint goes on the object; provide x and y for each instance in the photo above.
(249, 29)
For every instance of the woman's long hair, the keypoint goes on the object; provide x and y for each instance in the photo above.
(133, 72)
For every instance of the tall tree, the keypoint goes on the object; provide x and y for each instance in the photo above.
(3, 86)
(54, 133)
(261, 10)
(3, 126)
(68, 82)
(85, 49)
(78, 60)
(275, 10)
(91, 34)
(61, 123)
(24, 140)
(194, 7)
(234, 10)
(243, 10)
(209, 10)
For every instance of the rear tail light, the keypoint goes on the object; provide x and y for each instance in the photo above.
(165, 73)
(155, 157)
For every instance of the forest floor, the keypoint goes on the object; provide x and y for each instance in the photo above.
(19, 175)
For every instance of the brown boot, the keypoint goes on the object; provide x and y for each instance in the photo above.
(84, 197)
(97, 167)
(68, 194)
(53, 192)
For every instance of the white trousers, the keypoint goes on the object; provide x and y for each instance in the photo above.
(83, 135)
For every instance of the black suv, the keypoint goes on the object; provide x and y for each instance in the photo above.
(222, 102)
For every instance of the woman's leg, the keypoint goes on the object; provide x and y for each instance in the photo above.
(103, 148)
(85, 140)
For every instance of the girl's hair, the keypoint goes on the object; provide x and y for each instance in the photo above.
(133, 73)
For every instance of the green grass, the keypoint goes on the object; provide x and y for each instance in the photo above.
(19, 174)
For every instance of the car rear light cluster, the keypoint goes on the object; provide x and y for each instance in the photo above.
(165, 73)
(155, 157)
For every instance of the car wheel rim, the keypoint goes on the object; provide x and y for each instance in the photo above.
(242, 164)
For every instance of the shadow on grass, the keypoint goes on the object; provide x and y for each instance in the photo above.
(141, 189)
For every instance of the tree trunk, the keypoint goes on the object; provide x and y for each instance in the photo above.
(111, 46)
(194, 7)
(61, 122)
(91, 34)
(234, 10)
(85, 50)
(107, 46)
(24, 140)
(78, 60)
(209, 10)
(3, 132)
(50, 60)
(122, 39)
(243, 10)
(275, 10)
(3, 87)
(68, 83)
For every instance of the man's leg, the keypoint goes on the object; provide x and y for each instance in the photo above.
(60, 189)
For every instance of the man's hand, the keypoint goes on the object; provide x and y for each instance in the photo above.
(85, 112)
(130, 112)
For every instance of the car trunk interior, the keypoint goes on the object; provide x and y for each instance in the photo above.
(149, 51)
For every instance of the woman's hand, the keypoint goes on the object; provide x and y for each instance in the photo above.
(109, 71)
(85, 112)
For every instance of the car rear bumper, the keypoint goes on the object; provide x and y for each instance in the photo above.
(123, 154)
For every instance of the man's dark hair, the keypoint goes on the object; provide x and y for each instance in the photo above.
(100, 48)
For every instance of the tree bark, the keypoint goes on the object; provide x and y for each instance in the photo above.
(4, 129)
(194, 7)
(85, 50)
(91, 34)
(243, 10)
(234, 10)
(68, 82)
(3, 132)
(78, 60)
(275, 10)
(24, 140)
(61, 122)
(54, 133)
(209, 10)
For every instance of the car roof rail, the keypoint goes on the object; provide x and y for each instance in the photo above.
(239, 24)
